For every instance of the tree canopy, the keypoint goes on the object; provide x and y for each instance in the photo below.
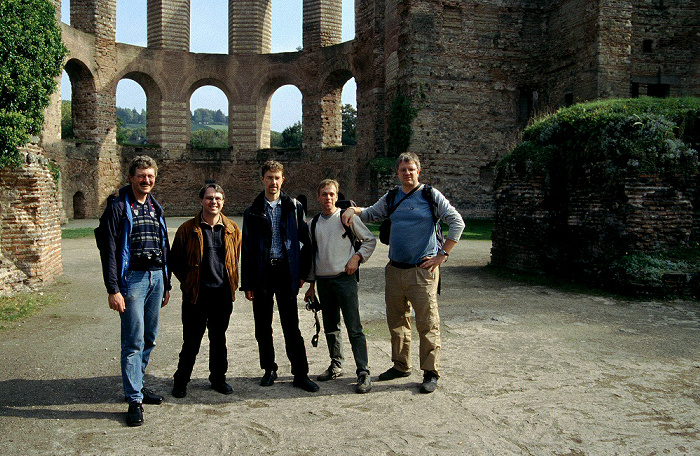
(31, 58)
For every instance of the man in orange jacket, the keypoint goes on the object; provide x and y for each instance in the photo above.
(204, 258)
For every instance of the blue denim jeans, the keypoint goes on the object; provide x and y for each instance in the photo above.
(139, 328)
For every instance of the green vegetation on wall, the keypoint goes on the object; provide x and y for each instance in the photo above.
(401, 114)
(31, 58)
(648, 135)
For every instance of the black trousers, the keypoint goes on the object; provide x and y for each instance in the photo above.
(277, 284)
(212, 311)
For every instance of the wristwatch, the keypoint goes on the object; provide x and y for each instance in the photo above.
(443, 252)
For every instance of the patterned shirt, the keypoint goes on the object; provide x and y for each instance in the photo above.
(145, 240)
(273, 210)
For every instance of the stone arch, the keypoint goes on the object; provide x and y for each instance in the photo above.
(154, 99)
(264, 93)
(83, 99)
(229, 93)
(331, 107)
(79, 205)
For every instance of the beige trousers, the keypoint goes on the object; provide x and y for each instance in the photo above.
(413, 288)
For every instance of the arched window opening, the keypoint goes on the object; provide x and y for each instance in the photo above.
(209, 118)
(79, 209)
(209, 26)
(349, 113)
(285, 117)
(78, 89)
(287, 25)
(132, 22)
(66, 108)
(131, 113)
(65, 12)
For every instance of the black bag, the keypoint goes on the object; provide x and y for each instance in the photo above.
(385, 227)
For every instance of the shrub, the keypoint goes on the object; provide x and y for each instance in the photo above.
(31, 58)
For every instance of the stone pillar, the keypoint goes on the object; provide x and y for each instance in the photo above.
(169, 24)
(331, 118)
(170, 126)
(322, 23)
(614, 48)
(249, 26)
(243, 120)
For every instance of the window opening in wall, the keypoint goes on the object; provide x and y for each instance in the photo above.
(209, 118)
(285, 117)
(349, 100)
(65, 12)
(568, 99)
(348, 20)
(66, 108)
(526, 105)
(634, 90)
(79, 210)
(647, 46)
(209, 26)
(659, 90)
(131, 113)
(286, 25)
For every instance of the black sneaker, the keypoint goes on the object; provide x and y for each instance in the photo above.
(179, 391)
(134, 417)
(393, 373)
(269, 378)
(333, 371)
(429, 382)
(151, 398)
(223, 388)
(364, 384)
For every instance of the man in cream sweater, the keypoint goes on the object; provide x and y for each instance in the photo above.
(335, 262)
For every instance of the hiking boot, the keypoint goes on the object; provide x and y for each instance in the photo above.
(364, 384)
(429, 382)
(134, 417)
(333, 371)
(393, 373)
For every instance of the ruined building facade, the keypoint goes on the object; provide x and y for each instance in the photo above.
(478, 71)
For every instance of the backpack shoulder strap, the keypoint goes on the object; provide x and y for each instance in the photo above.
(390, 198)
(312, 232)
(430, 198)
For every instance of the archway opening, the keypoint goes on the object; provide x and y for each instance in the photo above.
(131, 113)
(285, 117)
(209, 118)
(79, 206)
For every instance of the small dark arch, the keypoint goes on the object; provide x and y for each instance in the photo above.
(79, 209)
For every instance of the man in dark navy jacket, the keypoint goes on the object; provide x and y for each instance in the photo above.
(275, 256)
(133, 243)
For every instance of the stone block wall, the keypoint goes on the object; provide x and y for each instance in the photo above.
(30, 231)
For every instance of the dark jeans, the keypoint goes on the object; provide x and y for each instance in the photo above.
(278, 285)
(336, 295)
(212, 312)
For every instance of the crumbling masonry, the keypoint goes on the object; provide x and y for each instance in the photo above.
(478, 70)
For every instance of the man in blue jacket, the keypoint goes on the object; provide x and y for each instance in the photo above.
(275, 256)
(133, 241)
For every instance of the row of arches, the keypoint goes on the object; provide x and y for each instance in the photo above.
(209, 24)
(165, 114)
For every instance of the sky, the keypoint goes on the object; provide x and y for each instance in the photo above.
(209, 34)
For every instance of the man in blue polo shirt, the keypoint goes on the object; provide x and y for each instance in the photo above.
(412, 275)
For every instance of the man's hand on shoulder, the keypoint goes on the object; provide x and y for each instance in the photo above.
(349, 214)
(116, 302)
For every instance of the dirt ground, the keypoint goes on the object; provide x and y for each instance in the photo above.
(525, 370)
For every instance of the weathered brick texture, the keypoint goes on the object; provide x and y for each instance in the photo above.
(30, 231)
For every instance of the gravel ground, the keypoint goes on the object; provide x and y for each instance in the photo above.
(525, 370)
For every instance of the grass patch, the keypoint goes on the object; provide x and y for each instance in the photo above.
(75, 233)
(13, 308)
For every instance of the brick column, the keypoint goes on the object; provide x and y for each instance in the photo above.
(614, 48)
(243, 121)
(170, 126)
(312, 122)
(169, 24)
(322, 23)
(249, 26)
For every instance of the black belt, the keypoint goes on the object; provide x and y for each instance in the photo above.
(400, 265)
(276, 261)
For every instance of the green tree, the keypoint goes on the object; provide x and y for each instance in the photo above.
(291, 136)
(349, 125)
(207, 138)
(401, 115)
(275, 139)
(31, 58)
(66, 119)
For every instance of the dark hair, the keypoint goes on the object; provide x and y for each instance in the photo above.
(407, 157)
(271, 165)
(217, 188)
(142, 162)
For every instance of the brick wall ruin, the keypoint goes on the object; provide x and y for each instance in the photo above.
(478, 72)
(30, 230)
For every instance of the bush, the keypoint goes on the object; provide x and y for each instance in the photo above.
(31, 58)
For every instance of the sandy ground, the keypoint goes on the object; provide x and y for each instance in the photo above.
(525, 370)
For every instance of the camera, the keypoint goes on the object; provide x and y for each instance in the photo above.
(313, 304)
